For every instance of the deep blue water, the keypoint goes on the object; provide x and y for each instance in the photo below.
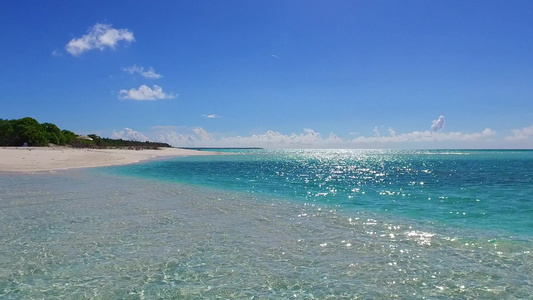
(485, 189)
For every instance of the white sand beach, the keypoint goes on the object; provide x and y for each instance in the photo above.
(39, 159)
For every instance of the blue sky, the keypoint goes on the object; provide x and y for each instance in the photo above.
(299, 74)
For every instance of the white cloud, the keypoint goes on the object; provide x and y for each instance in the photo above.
(130, 135)
(195, 137)
(334, 139)
(145, 93)
(438, 124)
(140, 70)
(199, 137)
(309, 138)
(273, 139)
(376, 131)
(275, 56)
(175, 139)
(202, 134)
(57, 53)
(212, 116)
(427, 136)
(521, 134)
(392, 132)
(100, 36)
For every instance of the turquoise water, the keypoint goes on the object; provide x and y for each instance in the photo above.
(320, 224)
(486, 189)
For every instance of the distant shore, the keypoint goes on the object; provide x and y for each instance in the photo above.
(40, 159)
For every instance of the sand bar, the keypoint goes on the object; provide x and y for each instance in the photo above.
(39, 159)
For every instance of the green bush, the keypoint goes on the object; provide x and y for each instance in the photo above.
(28, 130)
(67, 137)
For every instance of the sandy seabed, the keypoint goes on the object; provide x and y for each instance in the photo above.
(39, 159)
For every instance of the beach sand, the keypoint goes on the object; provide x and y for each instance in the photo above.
(39, 159)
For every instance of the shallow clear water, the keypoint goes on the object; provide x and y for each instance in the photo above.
(128, 233)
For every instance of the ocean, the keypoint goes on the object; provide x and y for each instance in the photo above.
(274, 224)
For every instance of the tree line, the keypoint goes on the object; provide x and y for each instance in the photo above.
(99, 142)
(27, 131)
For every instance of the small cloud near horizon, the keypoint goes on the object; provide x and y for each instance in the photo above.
(129, 134)
(144, 92)
(100, 36)
(392, 132)
(438, 124)
(150, 73)
(376, 131)
(57, 53)
(521, 134)
(211, 116)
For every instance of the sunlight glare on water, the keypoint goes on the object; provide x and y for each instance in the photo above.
(489, 189)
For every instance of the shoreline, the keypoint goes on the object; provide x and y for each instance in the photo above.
(43, 159)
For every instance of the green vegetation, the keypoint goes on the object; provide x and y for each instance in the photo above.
(99, 142)
(27, 131)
